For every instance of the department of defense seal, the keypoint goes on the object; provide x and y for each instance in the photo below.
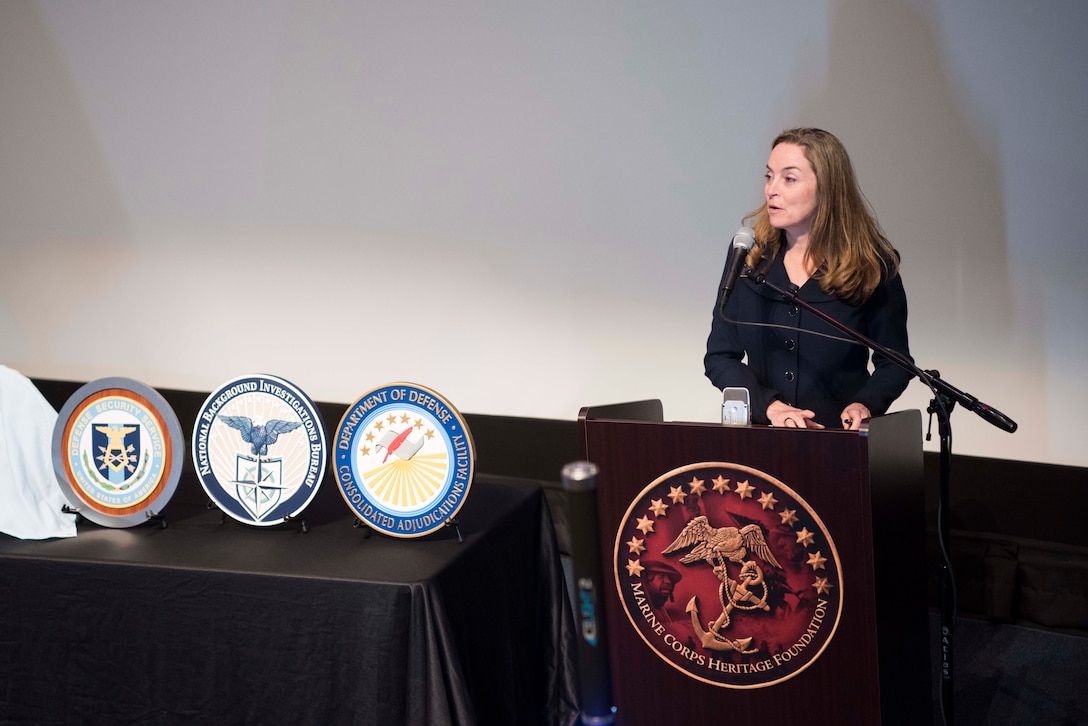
(118, 452)
(728, 575)
(404, 460)
(259, 448)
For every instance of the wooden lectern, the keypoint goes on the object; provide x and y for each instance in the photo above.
(866, 487)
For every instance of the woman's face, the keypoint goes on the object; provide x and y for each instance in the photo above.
(790, 190)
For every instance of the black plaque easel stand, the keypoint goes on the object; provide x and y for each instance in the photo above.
(303, 527)
(288, 519)
(451, 522)
(945, 396)
(150, 516)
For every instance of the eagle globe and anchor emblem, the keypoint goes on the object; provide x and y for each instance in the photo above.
(718, 547)
(728, 575)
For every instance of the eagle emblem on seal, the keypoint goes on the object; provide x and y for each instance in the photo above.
(719, 546)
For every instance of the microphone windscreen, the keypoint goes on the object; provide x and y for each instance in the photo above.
(745, 238)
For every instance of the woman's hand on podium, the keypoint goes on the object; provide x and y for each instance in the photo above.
(784, 415)
(853, 415)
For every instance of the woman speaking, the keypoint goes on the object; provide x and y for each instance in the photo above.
(815, 236)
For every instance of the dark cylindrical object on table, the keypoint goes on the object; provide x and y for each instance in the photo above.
(580, 484)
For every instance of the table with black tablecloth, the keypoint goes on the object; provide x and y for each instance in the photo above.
(208, 620)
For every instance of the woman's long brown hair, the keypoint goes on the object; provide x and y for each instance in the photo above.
(846, 245)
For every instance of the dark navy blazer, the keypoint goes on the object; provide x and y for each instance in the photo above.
(801, 368)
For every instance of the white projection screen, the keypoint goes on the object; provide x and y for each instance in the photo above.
(526, 206)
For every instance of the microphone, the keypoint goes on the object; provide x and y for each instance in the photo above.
(743, 241)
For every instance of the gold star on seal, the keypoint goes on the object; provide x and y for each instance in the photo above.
(404, 418)
(789, 517)
(419, 423)
(744, 490)
(430, 433)
(816, 561)
(804, 537)
(379, 424)
(392, 418)
(767, 501)
(645, 525)
(634, 568)
(822, 586)
(697, 486)
(364, 450)
(721, 484)
(636, 546)
(658, 507)
(676, 494)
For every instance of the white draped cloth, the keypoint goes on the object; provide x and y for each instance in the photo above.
(30, 497)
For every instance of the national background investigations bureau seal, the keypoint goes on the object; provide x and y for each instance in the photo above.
(259, 448)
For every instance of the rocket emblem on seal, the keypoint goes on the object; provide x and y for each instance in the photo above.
(403, 473)
(398, 444)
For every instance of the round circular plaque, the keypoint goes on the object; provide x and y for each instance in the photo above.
(259, 449)
(118, 452)
(404, 460)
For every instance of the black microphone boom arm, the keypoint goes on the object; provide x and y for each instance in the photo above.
(931, 378)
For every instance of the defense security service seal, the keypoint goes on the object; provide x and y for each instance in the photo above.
(728, 575)
(404, 459)
(259, 449)
(118, 452)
